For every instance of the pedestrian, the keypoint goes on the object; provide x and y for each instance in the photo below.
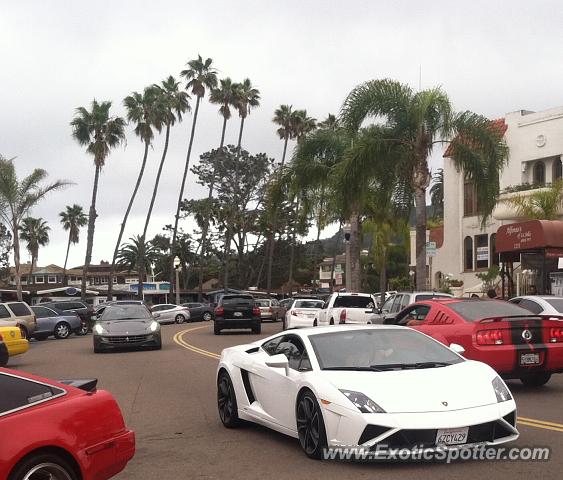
(492, 293)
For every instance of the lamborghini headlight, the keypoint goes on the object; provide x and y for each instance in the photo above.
(154, 326)
(502, 393)
(362, 402)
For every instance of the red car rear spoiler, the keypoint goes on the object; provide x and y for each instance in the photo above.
(519, 317)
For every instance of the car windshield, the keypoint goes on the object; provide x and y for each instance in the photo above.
(125, 312)
(556, 303)
(263, 303)
(354, 301)
(238, 300)
(380, 349)
(472, 310)
(308, 304)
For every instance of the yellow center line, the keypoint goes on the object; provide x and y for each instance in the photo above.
(179, 339)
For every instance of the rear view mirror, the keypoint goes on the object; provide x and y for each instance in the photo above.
(278, 361)
(457, 348)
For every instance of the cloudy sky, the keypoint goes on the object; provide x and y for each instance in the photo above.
(491, 57)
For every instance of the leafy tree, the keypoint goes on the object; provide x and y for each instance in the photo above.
(72, 220)
(35, 232)
(419, 121)
(99, 133)
(542, 204)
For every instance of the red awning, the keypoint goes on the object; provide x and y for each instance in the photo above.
(530, 235)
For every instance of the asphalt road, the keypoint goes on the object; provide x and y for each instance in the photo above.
(169, 398)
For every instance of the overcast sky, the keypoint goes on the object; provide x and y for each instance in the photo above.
(492, 57)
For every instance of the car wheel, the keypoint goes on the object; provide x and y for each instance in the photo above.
(284, 324)
(227, 401)
(207, 316)
(310, 426)
(83, 329)
(43, 466)
(535, 379)
(315, 322)
(158, 346)
(179, 319)
(62, 330)
(216, 330)
(98, 350)
(331, 321)
(257, 329)
(4, 357)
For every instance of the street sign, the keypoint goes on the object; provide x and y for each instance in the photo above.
(430, 249)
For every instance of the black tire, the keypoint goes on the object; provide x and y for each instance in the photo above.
(179, 319)
(331, 321)
(315, 323)
(83, 329)
(227, 401)
(310, 425)
(284, 324)
(4, 357)
(257, 329)
(52, 466)
(62, 331)
(158, 346)
(216, 329)
(98, 349)
(40, 338)
(535, 379)
(207, 316)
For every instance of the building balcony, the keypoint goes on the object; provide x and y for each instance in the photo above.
(506, 211)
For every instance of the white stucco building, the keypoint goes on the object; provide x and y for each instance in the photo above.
(535, 140)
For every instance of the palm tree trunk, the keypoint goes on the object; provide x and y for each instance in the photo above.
(284, 149)
(223, 132)
(334, 254)
(420, 209)
(355, 271)
(66, 260)
(157, 181)
(181, 195)
(33, 265)
(316, 268)
(240, 133)
(124, 222)
(90, 236)
(383, 276)
(227, 259)
(16, 234)
(271, 248)
(292, 246)
(263, 263)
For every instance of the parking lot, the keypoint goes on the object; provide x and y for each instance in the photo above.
(169, 398)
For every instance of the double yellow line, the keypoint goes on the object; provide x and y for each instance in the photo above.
(178, 338)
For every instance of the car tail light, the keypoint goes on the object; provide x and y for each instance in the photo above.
(270, 310)
(556, 334)
(343, 316)
(255, 310)
(219, 311)
(490, 337)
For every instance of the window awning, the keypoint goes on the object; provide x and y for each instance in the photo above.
(530, 235)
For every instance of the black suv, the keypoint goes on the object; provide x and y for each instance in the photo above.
(84, 310)
(237, 311)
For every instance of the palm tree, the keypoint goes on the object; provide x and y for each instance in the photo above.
(284, 116)
(99, 133)
(72, 219)
(302, 124)
(17, 198)
(137, 255)
(147, 113)
(329, 123)
(35, 232)
(542, 204)
(419, 121)
(437, 193)
(199, 75)
(248, 97)
(225, 95)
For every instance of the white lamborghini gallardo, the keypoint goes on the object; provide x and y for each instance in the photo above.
(365, 386)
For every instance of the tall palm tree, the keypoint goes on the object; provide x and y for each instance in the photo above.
(17, 198)
(200, 75)
(542, 204)
(248, 97)
(284, 116)
(146, 112)
(72, 220)
(420, 120)
(302, 124)
(35, 232)
(99, 133)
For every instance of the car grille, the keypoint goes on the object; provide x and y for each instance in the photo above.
(127, 339)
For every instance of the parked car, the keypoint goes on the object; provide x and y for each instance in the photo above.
(270, 309)
(286, 302)
(400, 300)
(83, 309)
(199, 311)
(56, 323)
(237, 311)
(20, 313)
(509, 338)
(302, 313)
(126, 326)
(65, 430)
(343, 308)
(388, 295)
(13, 342)
(170, 313)
(546, 305)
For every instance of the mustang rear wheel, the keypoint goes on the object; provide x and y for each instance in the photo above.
(43, 466)
(310, 426)
(535, 379)
(227, 401)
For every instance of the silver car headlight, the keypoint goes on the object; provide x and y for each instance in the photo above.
(153, 327)
(99, 329)
(502, 393)
(362, 402)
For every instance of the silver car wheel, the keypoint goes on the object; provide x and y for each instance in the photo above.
(62, 330)
(207, 316)
(179, 319)
(50, 471)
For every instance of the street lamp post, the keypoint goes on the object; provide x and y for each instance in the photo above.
(177, 268)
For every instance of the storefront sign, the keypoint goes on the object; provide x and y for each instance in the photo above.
(529, 235)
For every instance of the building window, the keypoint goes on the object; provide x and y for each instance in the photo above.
(468, 255)
(96, 280)
(495, 259)
(481, 251)
(39, 279)
(539, 173)
(104, 280)
(114, 280)
(51, 279)
(557, 169)
(469, 199)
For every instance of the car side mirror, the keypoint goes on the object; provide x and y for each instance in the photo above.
(455, 347)
(156, 315)
(278, 361)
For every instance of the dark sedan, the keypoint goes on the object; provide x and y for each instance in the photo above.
(126, 326)
(199, 311)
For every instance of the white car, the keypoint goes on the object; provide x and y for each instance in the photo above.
(364, 386)
(302, 313)
(343, 308)
(547, 305)
(170, 313)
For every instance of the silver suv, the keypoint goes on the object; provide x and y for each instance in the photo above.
(400, 300)
(21, 314)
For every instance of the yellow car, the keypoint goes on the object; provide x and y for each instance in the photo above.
(15, 342)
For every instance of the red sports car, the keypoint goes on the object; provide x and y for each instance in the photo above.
(60, 430)
(516, 343)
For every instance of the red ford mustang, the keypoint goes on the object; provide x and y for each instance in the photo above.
(516, 343)
(60, 431)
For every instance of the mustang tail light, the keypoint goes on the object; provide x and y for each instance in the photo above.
(256, 311)
(490, 337)
(556, 334)
(219, 311)
(343, 316)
